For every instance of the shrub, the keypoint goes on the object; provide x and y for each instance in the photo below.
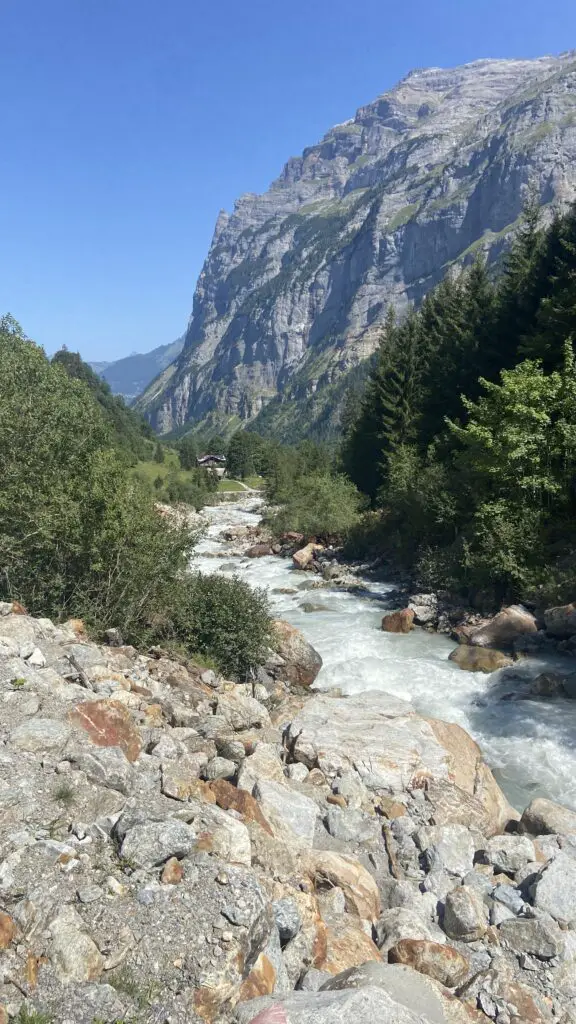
(321, 506)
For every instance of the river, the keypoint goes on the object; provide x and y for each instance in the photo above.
(529, 743)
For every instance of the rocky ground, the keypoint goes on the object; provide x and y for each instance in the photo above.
(176, 848)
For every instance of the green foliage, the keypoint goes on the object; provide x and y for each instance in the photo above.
(159, 455)
(322, 506)
(187, 452)
(28, 1015)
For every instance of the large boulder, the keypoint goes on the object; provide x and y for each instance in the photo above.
(300, 662)
(506, 627)
(561, 621)
(399, 622)
(554, 891)
(305, 556)
(479, 659)
(544, 817)
(442, 962)
(259, 551)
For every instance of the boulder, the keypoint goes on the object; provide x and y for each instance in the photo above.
(289, 813)
(464, 915)
(560, 622)
(399, 622)
(361, 896)
(301, 663)
(555, 889)
(107, 723)
(425, 608)
(448, 848)
(509, 853)
(370, 1005)
(399, 923)
(302, 559)
(154, 842)
(442, 962)
(479, 659)
(506, 627)
(258, 551)
(74, 954)
(39, 735)
(536, 937)
(544, 817)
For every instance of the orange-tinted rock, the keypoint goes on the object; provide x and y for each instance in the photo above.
(18, 609)
(229, 798)
(399, 622)
(391, 808)
(301, 662)
(479, 659)
(7, 930)
(172, 872)
(77, 626)
(302, 559)
(258, 551)
(3, 1015)
(442, 962)
(107, 723)
(260, 981)
(347, 945)
(338, 800)
(344, 872)
(504, 628)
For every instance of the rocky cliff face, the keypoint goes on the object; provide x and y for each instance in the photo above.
(297, 281)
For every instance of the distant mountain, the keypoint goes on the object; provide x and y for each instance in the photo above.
(297, 281)
(132, 375)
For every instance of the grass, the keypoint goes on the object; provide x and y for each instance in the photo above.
(31, 1016)
(229, 485)
(125, 982)
(64, 794)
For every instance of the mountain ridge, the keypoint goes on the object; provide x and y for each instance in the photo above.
(297, 280)
(132, 374)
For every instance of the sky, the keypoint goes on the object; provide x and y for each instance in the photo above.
(128, 124)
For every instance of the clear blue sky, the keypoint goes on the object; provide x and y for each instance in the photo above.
(127, 125)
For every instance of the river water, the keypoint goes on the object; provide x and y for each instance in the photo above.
(529, 743)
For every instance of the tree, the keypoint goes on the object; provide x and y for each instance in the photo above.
(322, 506)
(159, 453)
(187, 452)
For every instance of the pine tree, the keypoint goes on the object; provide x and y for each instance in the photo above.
(159, 453)
(556, 317)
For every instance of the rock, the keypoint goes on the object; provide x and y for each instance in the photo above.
(38, 735)
(451, 805)
(153, 843)
(509, 853)
(222, 835)
(351, 1006)
(425, 608)
(36, 658)
(7, 930)
(442, 962)
(403, 923)
(107, 723)
(72, 951)
(220, 768)
(544, 817)
(555, 889)
(180, 779)
(287, 811)
(399, 622)
(360, 891)
(532, 935)
(263, 763)
(241, 711)
(301, 663)
(478, 659)
(561, 621)
(287, 918)
(301, 559)
(346, 945)
(547, 684)
(258, 551)
(464, 915)
(172, 872)
(239, 800)
(114, 637)
(504, 628)
(448, 847)
(297, 772)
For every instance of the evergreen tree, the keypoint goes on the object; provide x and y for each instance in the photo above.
(159, 453)
(556, 316)
(187, 452)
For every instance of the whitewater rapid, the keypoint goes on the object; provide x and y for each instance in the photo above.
(529, 743)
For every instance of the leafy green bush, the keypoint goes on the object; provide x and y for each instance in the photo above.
(322, 506)
(223, 618)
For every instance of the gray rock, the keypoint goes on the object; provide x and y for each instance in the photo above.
(297, 772)
(72, 951)
(404, 923)
(313, 980)
(509, 897)
(148, 845)
(286, 809)
(406, 987)
(534, 936)
(240, 711)
(39, 735)
(509, 853)
(464, 915)
(448, 847)
(350, 1006)
(221, 768)
(543, 817)
(555, 889)
(288, 920)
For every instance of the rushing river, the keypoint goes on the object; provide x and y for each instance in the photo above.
(529, 743)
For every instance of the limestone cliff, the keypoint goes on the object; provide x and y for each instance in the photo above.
(297, 280)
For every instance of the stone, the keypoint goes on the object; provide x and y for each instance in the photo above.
(535, 936)
(172, 872)
(448, 847)
(369, 1005)
(287, 918)
(36, 658)
(107, 723)
(222, 835)
(561, 621)
(451, 805)
(464, 915)
(346, 945)
(504, 628)
(39, 735)
(7, 930)
(301, 559)
(239, 800)
(72, 951)
(509, 853)
(301, 663)
(425, 608)
(439, 961)
(220, 768)
(180, 779)
(241, 711)
(263, 763)
(297, 772)
(555, 889)
(399, 622)
(399, 923)
(406, 987)
(258, 551)
(544, 817)
(287, 811)
(360, 891)
(479, 659)
(547, 684)
(151, 844)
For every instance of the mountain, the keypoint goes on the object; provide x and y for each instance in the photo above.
(297, 280)
(130, 376)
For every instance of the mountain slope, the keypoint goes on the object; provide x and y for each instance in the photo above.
(131, 375)
(297, 280)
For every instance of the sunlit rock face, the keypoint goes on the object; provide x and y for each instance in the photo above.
(297, 280)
